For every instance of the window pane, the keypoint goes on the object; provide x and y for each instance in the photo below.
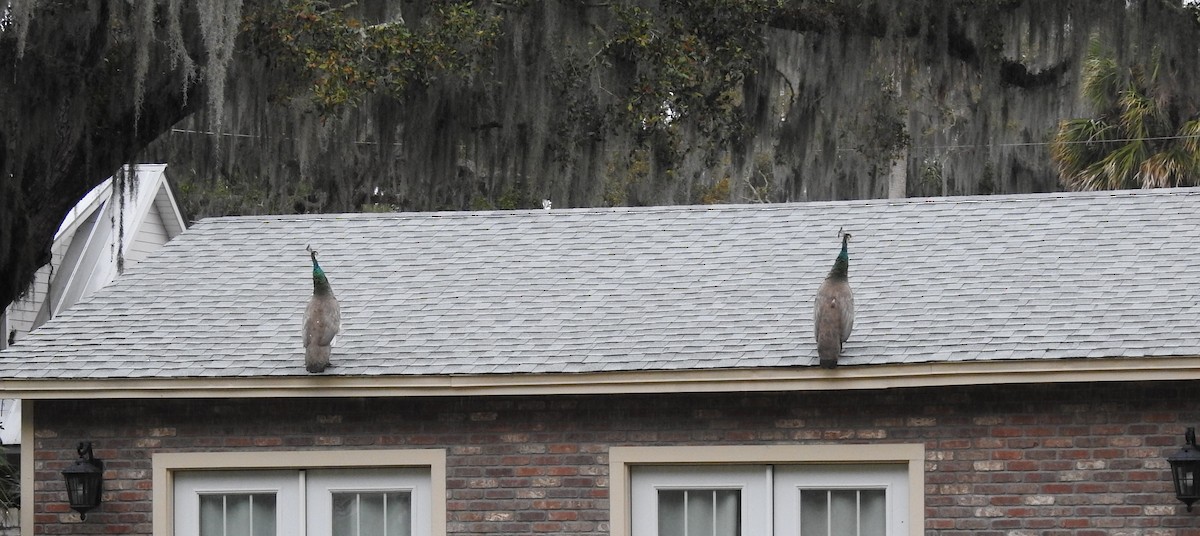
(872, 512)
(264, 514)
(387, 513)
(238, 515)
(814, 512)
(728, 513)
(345, 514)
(399, 513)
(843, 513)
(699, 512)
(241, 514)
(370, 514)
(670, 512)
(212, 515)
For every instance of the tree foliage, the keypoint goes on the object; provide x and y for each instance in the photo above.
(89, 84)
(341, 58)
(306, 105)
(1146, 132)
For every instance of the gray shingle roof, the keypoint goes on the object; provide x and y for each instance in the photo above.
(1050, 276)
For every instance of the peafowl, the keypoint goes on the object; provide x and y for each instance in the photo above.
(833, 313)
(322, 320)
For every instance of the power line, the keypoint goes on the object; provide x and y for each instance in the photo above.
(249, 136)
(913, 148)
(215, 134)
(1032, 144)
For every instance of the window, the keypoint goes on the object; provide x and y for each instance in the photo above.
(699, 501)
(844, 511)
(851, 499)
(225, 503)
(699, 512)
(354, 502)
(358, 493)
(237, 513)
(783, 490)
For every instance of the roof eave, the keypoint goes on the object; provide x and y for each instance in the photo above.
(636, 382)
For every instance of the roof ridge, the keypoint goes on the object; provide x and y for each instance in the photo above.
(790, 205)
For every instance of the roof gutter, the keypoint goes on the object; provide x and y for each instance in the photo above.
(637, 382)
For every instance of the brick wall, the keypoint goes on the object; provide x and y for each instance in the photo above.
(1075, 460)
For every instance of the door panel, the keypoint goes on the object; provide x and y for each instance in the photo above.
(369, 502)
(236, 503)
(701, 500)
(294, 502)
(832, 500)
(780, 500)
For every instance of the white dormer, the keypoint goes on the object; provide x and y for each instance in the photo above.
(86, 257)
(98, 239)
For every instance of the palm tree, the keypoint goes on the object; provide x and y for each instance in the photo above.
(1145, 135)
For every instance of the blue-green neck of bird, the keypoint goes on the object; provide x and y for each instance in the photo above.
(841, 266)
(320, 282)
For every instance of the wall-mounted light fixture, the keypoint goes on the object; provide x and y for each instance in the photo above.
(1185, 470)
(85, 481)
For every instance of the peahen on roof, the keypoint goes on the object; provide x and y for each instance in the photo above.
(833, 312)
(322, 320)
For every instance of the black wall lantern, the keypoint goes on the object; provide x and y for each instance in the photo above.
(1185, 470)
(85, 481)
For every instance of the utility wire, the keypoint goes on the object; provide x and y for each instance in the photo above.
(1045, 143)
(248, 136)
(913, 148)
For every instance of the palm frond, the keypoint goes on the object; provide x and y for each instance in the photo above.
(1119, 168)
(1077, 144)
(1101, 78)
(1136, 139)
(1139, 114)
(1162, 170)
(1189, 135)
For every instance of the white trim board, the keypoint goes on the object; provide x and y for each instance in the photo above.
(638, 382)
(622, 459)
(166, 464)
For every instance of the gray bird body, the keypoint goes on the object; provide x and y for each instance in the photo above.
(833, 311)
(322, 320)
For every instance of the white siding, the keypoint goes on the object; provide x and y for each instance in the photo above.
(83, 255)
(150, 236)
(22, 313)
(83, 258)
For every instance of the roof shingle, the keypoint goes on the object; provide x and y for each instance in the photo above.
(1048, 276)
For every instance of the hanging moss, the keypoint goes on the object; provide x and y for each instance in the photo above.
(220, 21)
(827, 92)
(435, 104)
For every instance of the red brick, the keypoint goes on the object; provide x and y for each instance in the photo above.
(1075, 459)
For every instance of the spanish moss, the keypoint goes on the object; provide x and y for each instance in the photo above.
(961, 98)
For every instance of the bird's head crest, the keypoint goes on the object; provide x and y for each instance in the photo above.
(320, 280)
(316, 267)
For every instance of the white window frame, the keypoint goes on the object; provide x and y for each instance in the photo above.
(322, 483)
(623, 459)
(752, 481)
(167, 464)
(282, 483)
(790, 480)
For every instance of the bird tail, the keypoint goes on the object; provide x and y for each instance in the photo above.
(829, 336)
(316, 358)
(828, 349)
